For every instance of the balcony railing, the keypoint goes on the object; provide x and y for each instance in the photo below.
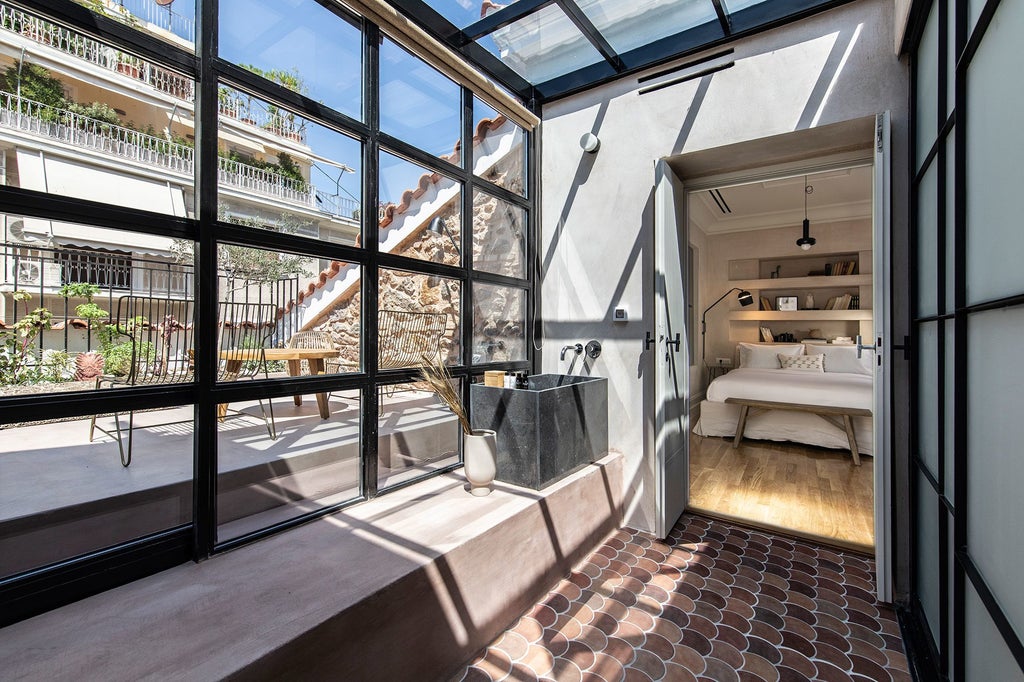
(83, 132)
(148, 12)
(70, 42)
(42, 271)
(282, 124)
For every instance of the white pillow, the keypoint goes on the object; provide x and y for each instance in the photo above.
(804, 363)
(765, 356)
(843, 359)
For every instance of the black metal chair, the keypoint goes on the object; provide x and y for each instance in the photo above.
(160, 332)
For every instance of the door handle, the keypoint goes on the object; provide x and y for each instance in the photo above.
(675, 342)
(861, 347)
(648, 341)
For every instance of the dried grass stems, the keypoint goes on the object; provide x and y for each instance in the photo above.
(435, 375)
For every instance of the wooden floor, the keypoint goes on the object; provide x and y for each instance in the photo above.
(804, 490)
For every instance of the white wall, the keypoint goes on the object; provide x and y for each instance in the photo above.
(596, 232)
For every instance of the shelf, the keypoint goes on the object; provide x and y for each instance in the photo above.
(817, 282)
(810, 315)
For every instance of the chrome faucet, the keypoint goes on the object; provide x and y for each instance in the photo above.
(578, 348)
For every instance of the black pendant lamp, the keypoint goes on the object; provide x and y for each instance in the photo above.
(807, 241)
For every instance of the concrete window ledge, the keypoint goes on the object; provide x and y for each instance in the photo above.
(404, 587)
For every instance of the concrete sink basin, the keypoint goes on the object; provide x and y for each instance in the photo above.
(547, 431)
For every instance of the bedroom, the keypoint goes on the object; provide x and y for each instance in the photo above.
(780, 324)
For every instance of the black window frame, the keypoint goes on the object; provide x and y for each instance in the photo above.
(37, 590)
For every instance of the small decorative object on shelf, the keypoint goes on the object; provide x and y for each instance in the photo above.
(809, 301)
(786, 302)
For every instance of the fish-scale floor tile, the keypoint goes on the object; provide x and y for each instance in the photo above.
(712, 602)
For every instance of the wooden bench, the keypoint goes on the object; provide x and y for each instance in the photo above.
(824, 411)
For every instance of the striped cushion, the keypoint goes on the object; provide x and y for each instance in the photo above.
(809, 363)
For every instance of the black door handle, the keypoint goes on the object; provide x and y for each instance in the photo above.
(648, 341)
(675, 342)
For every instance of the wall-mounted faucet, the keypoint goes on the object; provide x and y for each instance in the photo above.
(578, 349)
(594, 349)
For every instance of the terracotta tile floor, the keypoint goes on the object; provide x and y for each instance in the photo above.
(714, 602)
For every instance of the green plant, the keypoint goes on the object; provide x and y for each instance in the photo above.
(37, 84)
(56, 365)
(102, 113)
(80, 289)
(17, 361)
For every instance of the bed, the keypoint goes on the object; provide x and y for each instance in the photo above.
(757, 380)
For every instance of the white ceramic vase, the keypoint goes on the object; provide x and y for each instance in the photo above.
(480, 460)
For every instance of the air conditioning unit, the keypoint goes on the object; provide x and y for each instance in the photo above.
(28, 273)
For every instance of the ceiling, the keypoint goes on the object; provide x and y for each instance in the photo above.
(836, 195)
(541, 50)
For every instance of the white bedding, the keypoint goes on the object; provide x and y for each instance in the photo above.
(790, 386)
(793, 386)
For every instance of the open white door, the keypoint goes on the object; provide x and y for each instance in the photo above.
(882, 264)
(671, 355)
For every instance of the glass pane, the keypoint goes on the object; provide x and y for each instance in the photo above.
(628, 25)
(995, 175)
(950, 57)
(499, 236)
(277, 317)
(166, 20)
(927, 86)
(995, 470)
(949, 418)
(927, 243)
(927, 553)
(928, 397)
(418, 315)
(123, 136)
(280, 172)
(499, 324)
(298, 44)
(417, 433)
(987, 656)
(418, 104)
(950, 226)
(463, 13)
(542, 46)
(82, 499)
(499, 148)
(282, 458)
(74, 297)
(421, 212)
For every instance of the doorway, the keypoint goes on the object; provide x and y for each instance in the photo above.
(858, 151)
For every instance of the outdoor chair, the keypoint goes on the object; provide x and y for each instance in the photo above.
(160, 332)
(405, 338)
(246, 329)
(316, 340)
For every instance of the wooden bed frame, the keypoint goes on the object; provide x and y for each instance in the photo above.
(823, 411)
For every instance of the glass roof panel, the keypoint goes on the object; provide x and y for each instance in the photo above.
(736, 5)
(542, 46)
(629, 25)
(462, 13)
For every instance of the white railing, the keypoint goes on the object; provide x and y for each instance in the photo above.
(80, 131)
(88, 133)
(278, 122)
(77, 45)
(266, 182)
(148, 12)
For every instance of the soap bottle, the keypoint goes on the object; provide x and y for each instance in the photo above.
(521, 380)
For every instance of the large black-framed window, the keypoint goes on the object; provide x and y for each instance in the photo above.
(967, 312)
(279, 226)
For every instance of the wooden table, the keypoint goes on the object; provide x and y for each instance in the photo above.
(293, 356)
(821, 410)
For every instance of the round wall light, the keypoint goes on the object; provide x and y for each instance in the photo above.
(590, 143)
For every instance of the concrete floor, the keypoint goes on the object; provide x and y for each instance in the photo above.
(61, 495)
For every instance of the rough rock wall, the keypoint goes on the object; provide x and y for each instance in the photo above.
(498, 324)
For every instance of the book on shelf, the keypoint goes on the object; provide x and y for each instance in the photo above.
(845, 267)
(840, 302)
(766, 303)
(766, 335)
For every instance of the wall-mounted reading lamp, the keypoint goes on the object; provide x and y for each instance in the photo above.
(744, 298)
(439, 226)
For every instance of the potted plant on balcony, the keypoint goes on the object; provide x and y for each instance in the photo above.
(479, 447)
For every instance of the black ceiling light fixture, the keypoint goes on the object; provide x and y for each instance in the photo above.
(807, 241)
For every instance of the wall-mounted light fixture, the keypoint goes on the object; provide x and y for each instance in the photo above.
(590, 143)
(745, 299)
(807, 241)
(439, 226)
